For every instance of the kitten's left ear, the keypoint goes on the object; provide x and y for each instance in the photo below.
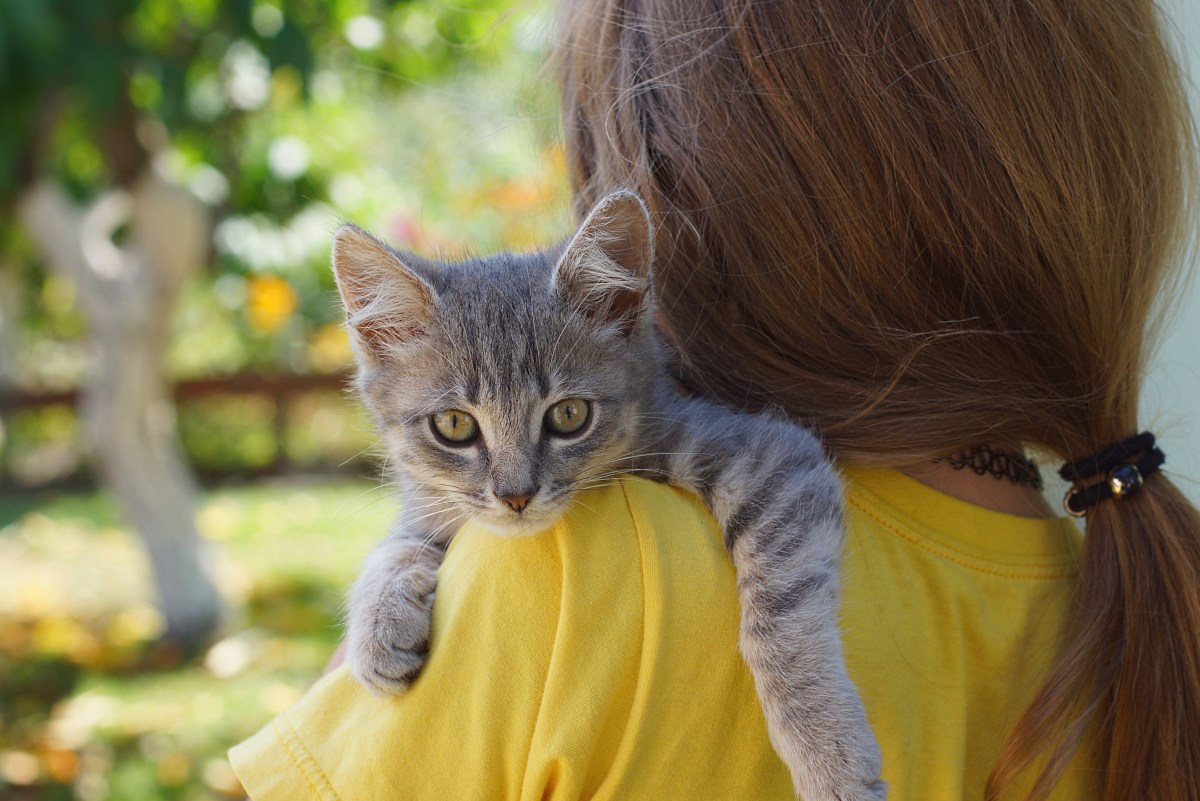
(605, 269)
(388, 304)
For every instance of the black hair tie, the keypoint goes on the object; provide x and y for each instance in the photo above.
(1124, 465)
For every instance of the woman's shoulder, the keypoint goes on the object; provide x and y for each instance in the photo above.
(639, 622)
(617, 542)
(633, 568)
(589, 654)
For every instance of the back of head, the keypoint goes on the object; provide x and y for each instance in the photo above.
(920, 226)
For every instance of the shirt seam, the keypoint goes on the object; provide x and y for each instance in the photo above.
(1047, 573)
(292, 736)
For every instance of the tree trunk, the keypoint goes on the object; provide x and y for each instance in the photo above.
(127, 294)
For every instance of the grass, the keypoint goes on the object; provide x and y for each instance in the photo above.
(91, 708)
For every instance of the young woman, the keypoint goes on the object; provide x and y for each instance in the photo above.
(939, 233)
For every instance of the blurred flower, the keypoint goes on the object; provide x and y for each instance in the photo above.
(288, 158)
(134, 625)
(270, 303)
(247, 76)
(519, 193)
(57, 635)
(62, 765)
(263, 244)
(209, 184)
(18, 767)
(229, 657)
(364, 32)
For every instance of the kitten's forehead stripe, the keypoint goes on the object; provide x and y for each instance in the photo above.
(501, 310)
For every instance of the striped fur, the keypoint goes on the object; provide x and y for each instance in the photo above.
(506, 337)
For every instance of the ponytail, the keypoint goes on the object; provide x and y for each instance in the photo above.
(1129, 675)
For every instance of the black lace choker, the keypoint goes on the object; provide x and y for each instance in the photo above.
(1000, 464)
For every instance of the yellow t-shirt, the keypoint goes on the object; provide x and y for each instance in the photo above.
(598, 660)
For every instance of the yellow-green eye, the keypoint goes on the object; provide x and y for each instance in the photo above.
(567, 416)
(455, 426)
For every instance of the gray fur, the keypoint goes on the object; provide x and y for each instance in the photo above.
(505, 337)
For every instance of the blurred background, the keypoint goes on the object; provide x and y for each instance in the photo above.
(170, 175)
(178, 525)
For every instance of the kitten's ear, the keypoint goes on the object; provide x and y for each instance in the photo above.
(605, 269)
(387, 304)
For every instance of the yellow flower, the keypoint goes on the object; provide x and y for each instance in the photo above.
(270, 302)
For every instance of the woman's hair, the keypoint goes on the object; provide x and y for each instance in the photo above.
(920, 226)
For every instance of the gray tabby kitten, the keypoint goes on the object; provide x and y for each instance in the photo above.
(504, 385)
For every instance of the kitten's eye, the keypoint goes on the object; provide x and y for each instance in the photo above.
(455, 426)
(567, 416)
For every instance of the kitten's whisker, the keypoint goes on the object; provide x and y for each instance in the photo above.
(578, 500)
(347, 511)
(626, 470)
(350, 459)
(437, 503)
(644, 454)
(429, 539)
(600, 485)
(437, 497)
(436, 510)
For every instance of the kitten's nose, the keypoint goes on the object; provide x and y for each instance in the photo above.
(517, 502)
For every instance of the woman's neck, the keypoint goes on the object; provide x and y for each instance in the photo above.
(998, 495)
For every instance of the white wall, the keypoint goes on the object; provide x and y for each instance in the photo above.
(1171, 398)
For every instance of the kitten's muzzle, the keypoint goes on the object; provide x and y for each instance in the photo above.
(517, 501)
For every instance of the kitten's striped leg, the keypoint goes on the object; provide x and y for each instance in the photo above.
(779, 503)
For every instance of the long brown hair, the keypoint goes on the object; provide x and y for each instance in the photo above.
(919, 226)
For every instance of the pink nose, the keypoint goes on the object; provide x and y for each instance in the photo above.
(516, 502)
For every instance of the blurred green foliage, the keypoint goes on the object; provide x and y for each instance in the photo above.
(68, 68)
(425, 121)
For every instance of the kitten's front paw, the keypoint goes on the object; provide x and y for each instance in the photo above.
(388, 640)
(826, 742)
(850, 772)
